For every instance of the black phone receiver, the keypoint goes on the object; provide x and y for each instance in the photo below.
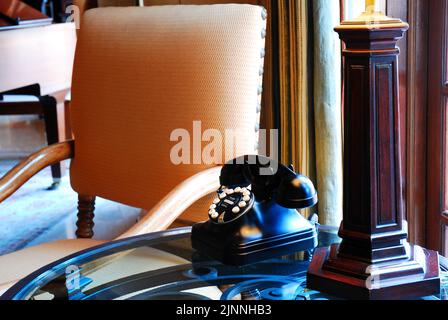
(254, 216)
(270, 179)
(296, 191)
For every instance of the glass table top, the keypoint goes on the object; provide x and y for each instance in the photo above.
(164, 266)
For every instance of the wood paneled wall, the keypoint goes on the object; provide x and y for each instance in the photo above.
(413, 77)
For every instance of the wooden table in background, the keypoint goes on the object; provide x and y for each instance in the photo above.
(38, 61)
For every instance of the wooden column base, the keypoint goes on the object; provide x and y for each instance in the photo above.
(413, 277)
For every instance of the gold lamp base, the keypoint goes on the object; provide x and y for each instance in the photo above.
(372, 18)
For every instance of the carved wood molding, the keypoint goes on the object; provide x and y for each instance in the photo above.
(28, 167)
(437, 125)
(417, 80)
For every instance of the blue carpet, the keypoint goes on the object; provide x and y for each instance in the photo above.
(35, 215)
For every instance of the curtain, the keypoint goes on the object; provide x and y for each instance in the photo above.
(327, 108)
(309, 58)
(295, 111)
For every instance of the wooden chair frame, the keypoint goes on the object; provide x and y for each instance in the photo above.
(160, 217)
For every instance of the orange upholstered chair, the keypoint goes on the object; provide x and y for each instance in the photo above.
(140, 73)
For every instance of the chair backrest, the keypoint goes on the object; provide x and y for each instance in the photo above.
(142, 73)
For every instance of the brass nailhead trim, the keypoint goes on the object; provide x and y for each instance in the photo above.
(264, 14)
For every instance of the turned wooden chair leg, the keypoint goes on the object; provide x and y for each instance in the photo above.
(86, 208)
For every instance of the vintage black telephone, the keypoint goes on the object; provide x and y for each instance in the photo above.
(254, 216)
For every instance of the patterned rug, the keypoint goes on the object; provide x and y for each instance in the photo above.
(36, 215)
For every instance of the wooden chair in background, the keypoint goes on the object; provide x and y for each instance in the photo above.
(53, 110)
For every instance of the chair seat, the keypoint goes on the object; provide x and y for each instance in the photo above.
(19, 264)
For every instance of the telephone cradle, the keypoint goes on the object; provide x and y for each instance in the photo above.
(254, 216)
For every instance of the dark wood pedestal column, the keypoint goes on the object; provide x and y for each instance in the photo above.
(374, 260)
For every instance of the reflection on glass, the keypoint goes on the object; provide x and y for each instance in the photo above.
(168, 268)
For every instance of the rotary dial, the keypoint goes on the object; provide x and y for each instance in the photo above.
(230, 204)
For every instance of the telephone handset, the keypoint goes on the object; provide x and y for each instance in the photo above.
(254, 216)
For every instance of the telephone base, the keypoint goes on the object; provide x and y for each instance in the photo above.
(223, 246)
